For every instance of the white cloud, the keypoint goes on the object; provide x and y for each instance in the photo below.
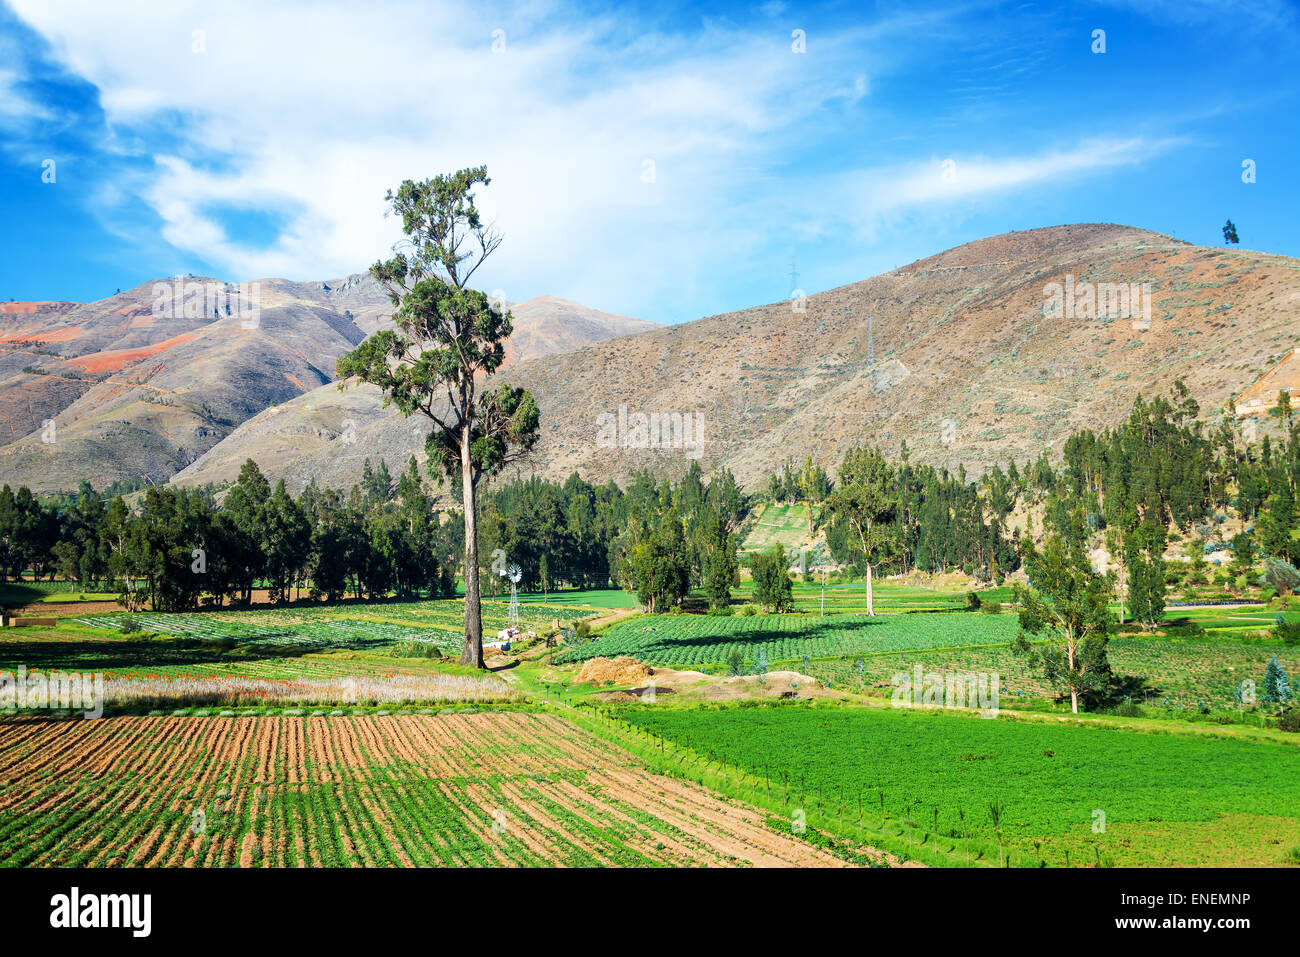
(318, 110)
(312, 111)
(967, 177)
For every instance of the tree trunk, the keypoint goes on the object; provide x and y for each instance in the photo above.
(472, 654)
(1074, 691)
(871, 607)
(1123, 585)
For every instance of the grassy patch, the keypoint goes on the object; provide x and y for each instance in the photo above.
(1163, 796)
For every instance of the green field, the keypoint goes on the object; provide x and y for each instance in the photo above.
(374, 640)
(342, 626)
(1174, 674)
(582, 598)
(1179, 786)
(14, 594)
(1168, 799)
(694, 640)
(847, 599)
(775, 524)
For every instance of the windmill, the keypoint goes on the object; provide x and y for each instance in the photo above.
(514, 573)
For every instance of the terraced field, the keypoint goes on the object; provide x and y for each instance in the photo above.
(693, 640)
(495, 789)
(785, 525)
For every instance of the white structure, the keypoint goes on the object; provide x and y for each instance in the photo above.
(514, 573)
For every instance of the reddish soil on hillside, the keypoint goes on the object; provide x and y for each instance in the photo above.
(114, 359)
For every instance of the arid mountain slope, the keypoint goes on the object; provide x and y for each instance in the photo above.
(136, 389)
(967, 369)
(959, 361)
(329, 432)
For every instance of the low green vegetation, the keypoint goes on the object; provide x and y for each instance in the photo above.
(694, 640)
(786, 524)
(1069, 794)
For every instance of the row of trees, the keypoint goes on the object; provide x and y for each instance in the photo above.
(905, 516)
(179, 548)
(575, 533)
(675, 537)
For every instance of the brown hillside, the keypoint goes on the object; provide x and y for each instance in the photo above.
(328, 433)
(959, 339)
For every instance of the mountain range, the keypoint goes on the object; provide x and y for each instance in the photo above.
(995, 349)
(143, 384)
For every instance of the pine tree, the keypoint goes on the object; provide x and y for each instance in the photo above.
(1277, 685)
(772, 586)
(718, 558)
(1146, 574)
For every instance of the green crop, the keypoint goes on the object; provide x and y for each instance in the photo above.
(691, 640)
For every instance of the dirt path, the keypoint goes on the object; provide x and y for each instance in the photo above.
(617, 614)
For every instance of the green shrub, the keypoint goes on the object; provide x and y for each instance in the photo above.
(1127, 709)
(416, 649)
(129, 625)
(1286, 632)
(992, 607)
(1290, 721)
(972, 601)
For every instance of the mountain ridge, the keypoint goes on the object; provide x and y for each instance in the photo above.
(959, 361)
(145, 382)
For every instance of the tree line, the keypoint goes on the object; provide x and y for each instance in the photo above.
(179, 548)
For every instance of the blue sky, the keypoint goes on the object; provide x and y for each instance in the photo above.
(663, 161)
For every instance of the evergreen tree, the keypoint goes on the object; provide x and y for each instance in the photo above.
(1277, 685)
(718, 547)
(1147, 575)
(773, 589)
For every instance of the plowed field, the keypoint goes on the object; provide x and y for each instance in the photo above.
(512, 789)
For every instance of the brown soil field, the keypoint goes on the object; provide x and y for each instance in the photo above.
(464, 789)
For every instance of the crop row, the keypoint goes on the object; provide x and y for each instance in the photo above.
(460, 790)
(319, 633)
(675, 640)
(335, 626)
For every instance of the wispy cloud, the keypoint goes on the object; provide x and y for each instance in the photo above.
(633, 159)
(950, 179)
